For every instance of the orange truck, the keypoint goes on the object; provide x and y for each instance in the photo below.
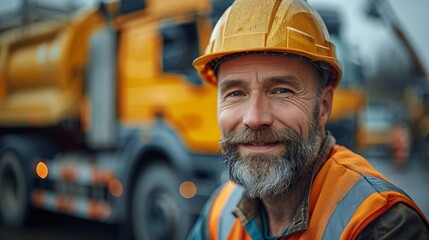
(103, 117)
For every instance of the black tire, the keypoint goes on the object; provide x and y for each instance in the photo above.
(14, 190)
(158, 211)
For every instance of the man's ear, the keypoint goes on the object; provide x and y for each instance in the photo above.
(326, 98)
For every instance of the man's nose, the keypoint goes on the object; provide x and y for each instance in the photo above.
(258, 112)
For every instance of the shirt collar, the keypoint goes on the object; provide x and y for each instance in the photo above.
(249, 209)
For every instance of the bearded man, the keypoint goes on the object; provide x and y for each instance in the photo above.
(276, 72)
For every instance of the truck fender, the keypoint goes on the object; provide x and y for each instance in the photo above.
(23, 147)
(27, 147)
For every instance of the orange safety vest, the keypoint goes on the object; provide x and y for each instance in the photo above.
(346, 195)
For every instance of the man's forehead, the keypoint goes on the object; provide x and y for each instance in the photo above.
(260, 63)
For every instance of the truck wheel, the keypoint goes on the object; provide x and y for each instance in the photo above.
(14, 199)
(157, 210)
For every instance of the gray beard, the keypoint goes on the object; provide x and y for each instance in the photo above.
(266, 176)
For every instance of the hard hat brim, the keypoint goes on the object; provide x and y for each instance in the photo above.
(202, 63)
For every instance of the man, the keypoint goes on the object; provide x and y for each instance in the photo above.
(276, 72)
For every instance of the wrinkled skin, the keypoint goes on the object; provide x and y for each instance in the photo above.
(271, 114)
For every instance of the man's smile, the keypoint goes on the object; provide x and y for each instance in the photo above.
(258, 147)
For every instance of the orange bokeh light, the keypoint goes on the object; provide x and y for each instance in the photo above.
(115, 187)
(42, 170)
(188, 189)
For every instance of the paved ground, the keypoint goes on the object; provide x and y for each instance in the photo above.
(50, 226)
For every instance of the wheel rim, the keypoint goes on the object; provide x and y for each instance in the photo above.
(12, 184)
(157, 210)
(162, 214)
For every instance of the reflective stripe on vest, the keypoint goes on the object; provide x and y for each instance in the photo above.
(352, 200)
(227, 218)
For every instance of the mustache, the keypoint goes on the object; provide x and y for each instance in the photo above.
(264, 135)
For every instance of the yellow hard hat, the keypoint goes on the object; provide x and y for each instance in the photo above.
(288, 27)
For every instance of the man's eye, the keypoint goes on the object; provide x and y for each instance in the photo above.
(235, 94)
(281, 91)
